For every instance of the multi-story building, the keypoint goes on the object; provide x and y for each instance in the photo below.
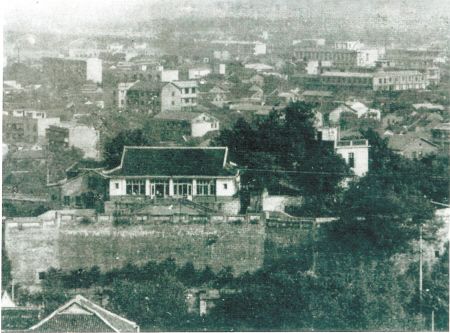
(28, 125)
(19, 129)
(368, 56)
(202, 175)
(399, 80)
(422, 60)
(346, 80)
(67, 134)
(174, 124)
(94, 70)
(339, 57)
(197, 73)
(143, 96)
(355, 153)
(179, 95)
(377, 81)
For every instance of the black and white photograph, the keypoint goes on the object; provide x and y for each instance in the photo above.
(225, 165)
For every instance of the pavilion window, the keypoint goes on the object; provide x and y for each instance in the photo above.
(135, 186)
(182, 187)
(206, 187)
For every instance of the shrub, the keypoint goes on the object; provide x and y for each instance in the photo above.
(86, 220)
(121, 221)
(237, 222)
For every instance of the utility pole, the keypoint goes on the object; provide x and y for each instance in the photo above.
(314, 249)
(432, 320)
(420, 271)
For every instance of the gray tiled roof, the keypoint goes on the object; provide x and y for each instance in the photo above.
(173, 161)
(91, 318)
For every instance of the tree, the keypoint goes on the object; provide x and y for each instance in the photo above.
(53, 293)
(157, 304)
(187, 274)
(114, 147)
(436, 293)
(6, 269)
(283, 149)
(382, 211)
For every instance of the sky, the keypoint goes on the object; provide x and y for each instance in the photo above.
(65, 13)
(74, 14)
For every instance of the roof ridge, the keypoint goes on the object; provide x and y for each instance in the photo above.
(107, 311)
(177, 147)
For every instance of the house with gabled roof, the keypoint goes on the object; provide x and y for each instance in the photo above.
(412, 145)
(213, 93)
(201, 174)
(174, 124)
(179, 95)
(82, 315)
(83, 187)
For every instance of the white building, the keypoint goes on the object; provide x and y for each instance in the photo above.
(356, 155)
(68, 134)
(360, 110)
(29, 114)
(313, 67)
(354, 152)
(179, 95)
(260, 48)
(312, 42)
(200, 174)
(222, 69)
(368, 56)
(400, 80)
(169, 75)
(197, 73)
(94, 70)
(44, 123)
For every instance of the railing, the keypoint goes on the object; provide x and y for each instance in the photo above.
(351, 143)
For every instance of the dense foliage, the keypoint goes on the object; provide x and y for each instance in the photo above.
(282, 150)
(381, 212)
(114, 146)
(6, 269)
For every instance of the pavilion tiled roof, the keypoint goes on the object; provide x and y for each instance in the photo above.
(173, 161)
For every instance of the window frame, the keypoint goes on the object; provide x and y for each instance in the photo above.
(135, 186)
(206, 187)
(351, 160)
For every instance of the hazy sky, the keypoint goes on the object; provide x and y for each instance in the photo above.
(65, 13)
(74, 14)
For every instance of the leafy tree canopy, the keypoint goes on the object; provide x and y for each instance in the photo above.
(283, 149)
(114, 147)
